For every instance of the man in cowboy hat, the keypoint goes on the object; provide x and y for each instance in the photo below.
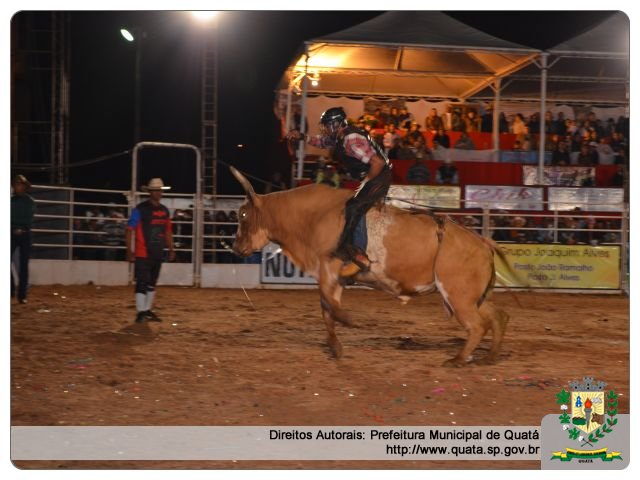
(150, 223)
(23, 208)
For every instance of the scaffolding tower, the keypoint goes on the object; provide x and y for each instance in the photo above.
(209, 110)
(40, 66)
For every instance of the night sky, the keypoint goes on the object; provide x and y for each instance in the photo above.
(255, 48)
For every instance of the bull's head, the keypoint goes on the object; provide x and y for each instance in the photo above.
(251, 234)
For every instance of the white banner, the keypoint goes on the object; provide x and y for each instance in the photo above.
(503, 197)
(424, 196)
(589, 199)
(277, 268)
(562, 176)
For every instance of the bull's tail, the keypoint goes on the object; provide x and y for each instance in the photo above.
(496, 250)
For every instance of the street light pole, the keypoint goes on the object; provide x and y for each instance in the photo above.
(137, 36)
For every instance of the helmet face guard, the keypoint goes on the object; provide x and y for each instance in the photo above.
(331, 121)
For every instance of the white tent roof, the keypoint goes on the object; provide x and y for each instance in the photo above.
(413, 54)
(592, 67)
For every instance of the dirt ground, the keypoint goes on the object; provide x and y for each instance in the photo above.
(77, 358)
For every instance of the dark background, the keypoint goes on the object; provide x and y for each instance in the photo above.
(254, 50)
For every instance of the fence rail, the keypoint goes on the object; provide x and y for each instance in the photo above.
(66, 228)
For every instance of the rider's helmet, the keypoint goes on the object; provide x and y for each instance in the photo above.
(331, 120)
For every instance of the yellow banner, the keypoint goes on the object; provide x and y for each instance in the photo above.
(558, 266)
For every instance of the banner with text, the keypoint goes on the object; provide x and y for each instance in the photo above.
(503, 197)
(425, 196)
(588, 199)
(277, 268)
(558, 266)
(562, 176)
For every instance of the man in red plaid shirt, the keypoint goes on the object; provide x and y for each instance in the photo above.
(364, 160)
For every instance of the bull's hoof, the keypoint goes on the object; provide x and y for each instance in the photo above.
(454, 362)
(336, 349)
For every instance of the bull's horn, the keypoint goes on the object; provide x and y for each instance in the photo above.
(243, 181)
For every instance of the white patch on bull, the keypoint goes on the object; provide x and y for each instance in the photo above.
(443, 292)
(404, 299)
(378, 224)
(424, 288)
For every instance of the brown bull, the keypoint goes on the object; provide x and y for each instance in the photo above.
(411, 255)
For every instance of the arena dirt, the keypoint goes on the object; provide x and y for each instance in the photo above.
(77, 358)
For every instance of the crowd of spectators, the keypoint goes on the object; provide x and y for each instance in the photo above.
(573, 229)
(398, 131)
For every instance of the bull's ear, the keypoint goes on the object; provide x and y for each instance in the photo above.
(248, 188)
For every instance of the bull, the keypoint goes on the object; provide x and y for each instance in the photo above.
(411, 254)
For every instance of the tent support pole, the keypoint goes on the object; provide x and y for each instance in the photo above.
(303, 115)
(287, 118)
(543, 106)
(496, 118)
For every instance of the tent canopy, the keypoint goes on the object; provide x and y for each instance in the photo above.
(591, 68)
(413, 54)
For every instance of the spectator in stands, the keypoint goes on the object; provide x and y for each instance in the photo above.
(94, 239)
(617, 180)
(504, 124)
(549, 122)
(277, 183)
(418, 173)
(516, 234)
(464, 142)
(395, 149)
(498, 226)
(404, 118)
(486, 120)
(559, 126)
(406, 152)
(393, 118)
(585, 158)
(592, 237)
(381, 119)
(533, 125)
(617, 141)
(519, 127)
(433, 122)
(568, 234)
(517, 146)
(182, 227)
(421, 149)
(611, 237)
(560, 155)
(414, 133)
(471, 122)
(457, 122)
(527, 143)
(389, 138)
(545, 232)
(442, 139)
(447, 173)
(620, 157)
(96, 214)
(593, 152)
(571, 127)
(224, 244)
(576, 142)
(471, 223)
(114, 229)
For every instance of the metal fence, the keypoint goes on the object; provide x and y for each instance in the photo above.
(89, 224)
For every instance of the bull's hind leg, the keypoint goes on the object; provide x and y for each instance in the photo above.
(498, 324)
(475, 325)
(330, 296)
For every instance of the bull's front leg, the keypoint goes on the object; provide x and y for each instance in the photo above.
(330, 295)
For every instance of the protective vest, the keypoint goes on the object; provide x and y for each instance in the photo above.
(355, 166)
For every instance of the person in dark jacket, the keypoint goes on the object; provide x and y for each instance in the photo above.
(23, 209)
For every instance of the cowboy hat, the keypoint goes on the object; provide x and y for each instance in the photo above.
(21, 179)
(155, 184)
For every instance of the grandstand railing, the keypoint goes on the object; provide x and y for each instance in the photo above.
(60, 210)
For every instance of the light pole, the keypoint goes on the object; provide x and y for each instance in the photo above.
(135, 35)
(209, 95)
